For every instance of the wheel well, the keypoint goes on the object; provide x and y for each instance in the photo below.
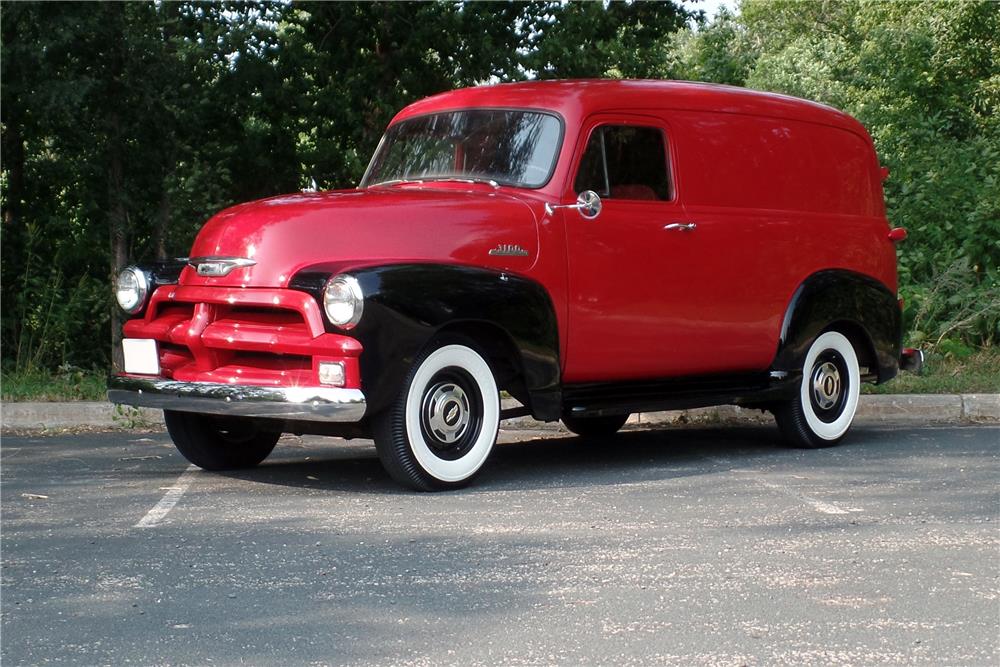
(862, 343)
(501, 353)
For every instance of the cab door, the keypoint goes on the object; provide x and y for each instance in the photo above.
(658, 289)
(619, 302)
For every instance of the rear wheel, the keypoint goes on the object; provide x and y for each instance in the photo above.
(219, 443)
(442, 426)
(595, 427)
(824, 407)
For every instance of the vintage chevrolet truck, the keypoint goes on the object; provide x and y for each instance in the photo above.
(593, 248)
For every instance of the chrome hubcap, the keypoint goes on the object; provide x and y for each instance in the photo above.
(446, 412)
(826, 385)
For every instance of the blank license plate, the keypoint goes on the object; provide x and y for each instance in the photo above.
(141, 356)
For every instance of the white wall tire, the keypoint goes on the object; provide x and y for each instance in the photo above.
(443, 425)
(823, 409)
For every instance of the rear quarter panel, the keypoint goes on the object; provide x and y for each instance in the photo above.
(777, 200)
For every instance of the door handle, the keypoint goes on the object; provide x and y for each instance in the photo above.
(681, 226)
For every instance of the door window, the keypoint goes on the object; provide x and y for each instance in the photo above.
(625, 162)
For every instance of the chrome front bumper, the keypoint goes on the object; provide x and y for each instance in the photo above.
(296, 403)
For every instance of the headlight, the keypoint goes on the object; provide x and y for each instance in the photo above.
(343, 301)
(132, 290)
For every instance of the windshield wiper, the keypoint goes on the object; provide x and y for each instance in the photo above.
(396, 181)
(450, 179)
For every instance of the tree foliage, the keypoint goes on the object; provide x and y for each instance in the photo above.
(126, 125)
(924, 78)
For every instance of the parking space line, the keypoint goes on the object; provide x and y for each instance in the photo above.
(821, 506)
(169, 499)
(818, 505)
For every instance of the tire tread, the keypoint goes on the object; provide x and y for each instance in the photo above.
(199, 443)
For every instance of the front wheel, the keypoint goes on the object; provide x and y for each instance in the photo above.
(443, 424)
(823, 409)
(219, 443)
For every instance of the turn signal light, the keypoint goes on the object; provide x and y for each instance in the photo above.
(332, 373)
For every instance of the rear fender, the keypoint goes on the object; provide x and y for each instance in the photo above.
(862, 307)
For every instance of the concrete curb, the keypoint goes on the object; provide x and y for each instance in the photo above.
(873, 409)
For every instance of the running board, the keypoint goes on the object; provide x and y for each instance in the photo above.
(599, 399)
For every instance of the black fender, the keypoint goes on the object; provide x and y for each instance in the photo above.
(406, 305)
(158, 274)
(864, 307)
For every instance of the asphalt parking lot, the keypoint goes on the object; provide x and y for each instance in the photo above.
(694, 546)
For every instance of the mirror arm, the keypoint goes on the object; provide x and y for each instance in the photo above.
(550, 208)
(588, 203)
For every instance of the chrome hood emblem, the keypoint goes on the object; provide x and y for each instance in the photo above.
(215, 267)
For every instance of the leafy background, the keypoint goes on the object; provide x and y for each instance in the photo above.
(126, 125)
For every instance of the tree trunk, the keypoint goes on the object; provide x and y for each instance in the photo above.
(162, 221)
(117, 212)
(117, 222)
(14, 164)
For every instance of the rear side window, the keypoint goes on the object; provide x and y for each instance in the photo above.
(625, 162)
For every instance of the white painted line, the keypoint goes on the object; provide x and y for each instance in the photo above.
(819, 505)
(169, 499)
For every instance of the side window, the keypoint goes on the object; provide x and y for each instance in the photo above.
(625, 162)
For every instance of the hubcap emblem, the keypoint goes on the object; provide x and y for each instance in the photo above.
(446, 412)
(826, 385)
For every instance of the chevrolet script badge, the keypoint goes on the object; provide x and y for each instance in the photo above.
(509, 250)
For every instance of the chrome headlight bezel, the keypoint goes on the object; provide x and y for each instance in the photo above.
(343, 301)
(140, 289)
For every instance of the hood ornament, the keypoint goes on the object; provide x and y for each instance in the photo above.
(216, 267)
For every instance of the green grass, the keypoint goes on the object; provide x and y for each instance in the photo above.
(69, 384)
(975, 373)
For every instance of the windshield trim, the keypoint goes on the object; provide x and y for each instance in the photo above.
(363, 184)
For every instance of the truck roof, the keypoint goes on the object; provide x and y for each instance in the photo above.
(575, 99)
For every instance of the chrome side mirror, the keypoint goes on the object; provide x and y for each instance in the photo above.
(588, 203)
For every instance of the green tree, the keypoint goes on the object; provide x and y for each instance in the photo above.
(104, 131)
(348, 67)
(594, 39)
(924, 78)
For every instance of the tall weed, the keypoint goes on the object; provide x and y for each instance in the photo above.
(961, 305)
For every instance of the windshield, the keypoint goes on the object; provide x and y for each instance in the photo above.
(516, 148)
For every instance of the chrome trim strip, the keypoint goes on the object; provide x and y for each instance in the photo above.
(296, 403)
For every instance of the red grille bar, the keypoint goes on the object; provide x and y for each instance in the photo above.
(272, 337)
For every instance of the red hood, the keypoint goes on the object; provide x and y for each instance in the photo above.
(288, 233)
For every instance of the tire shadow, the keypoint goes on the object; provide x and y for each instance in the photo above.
(550, 460)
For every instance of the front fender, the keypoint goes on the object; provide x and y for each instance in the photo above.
(406, 305)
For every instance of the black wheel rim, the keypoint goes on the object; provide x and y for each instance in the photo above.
(829, 385)
(451, 413)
